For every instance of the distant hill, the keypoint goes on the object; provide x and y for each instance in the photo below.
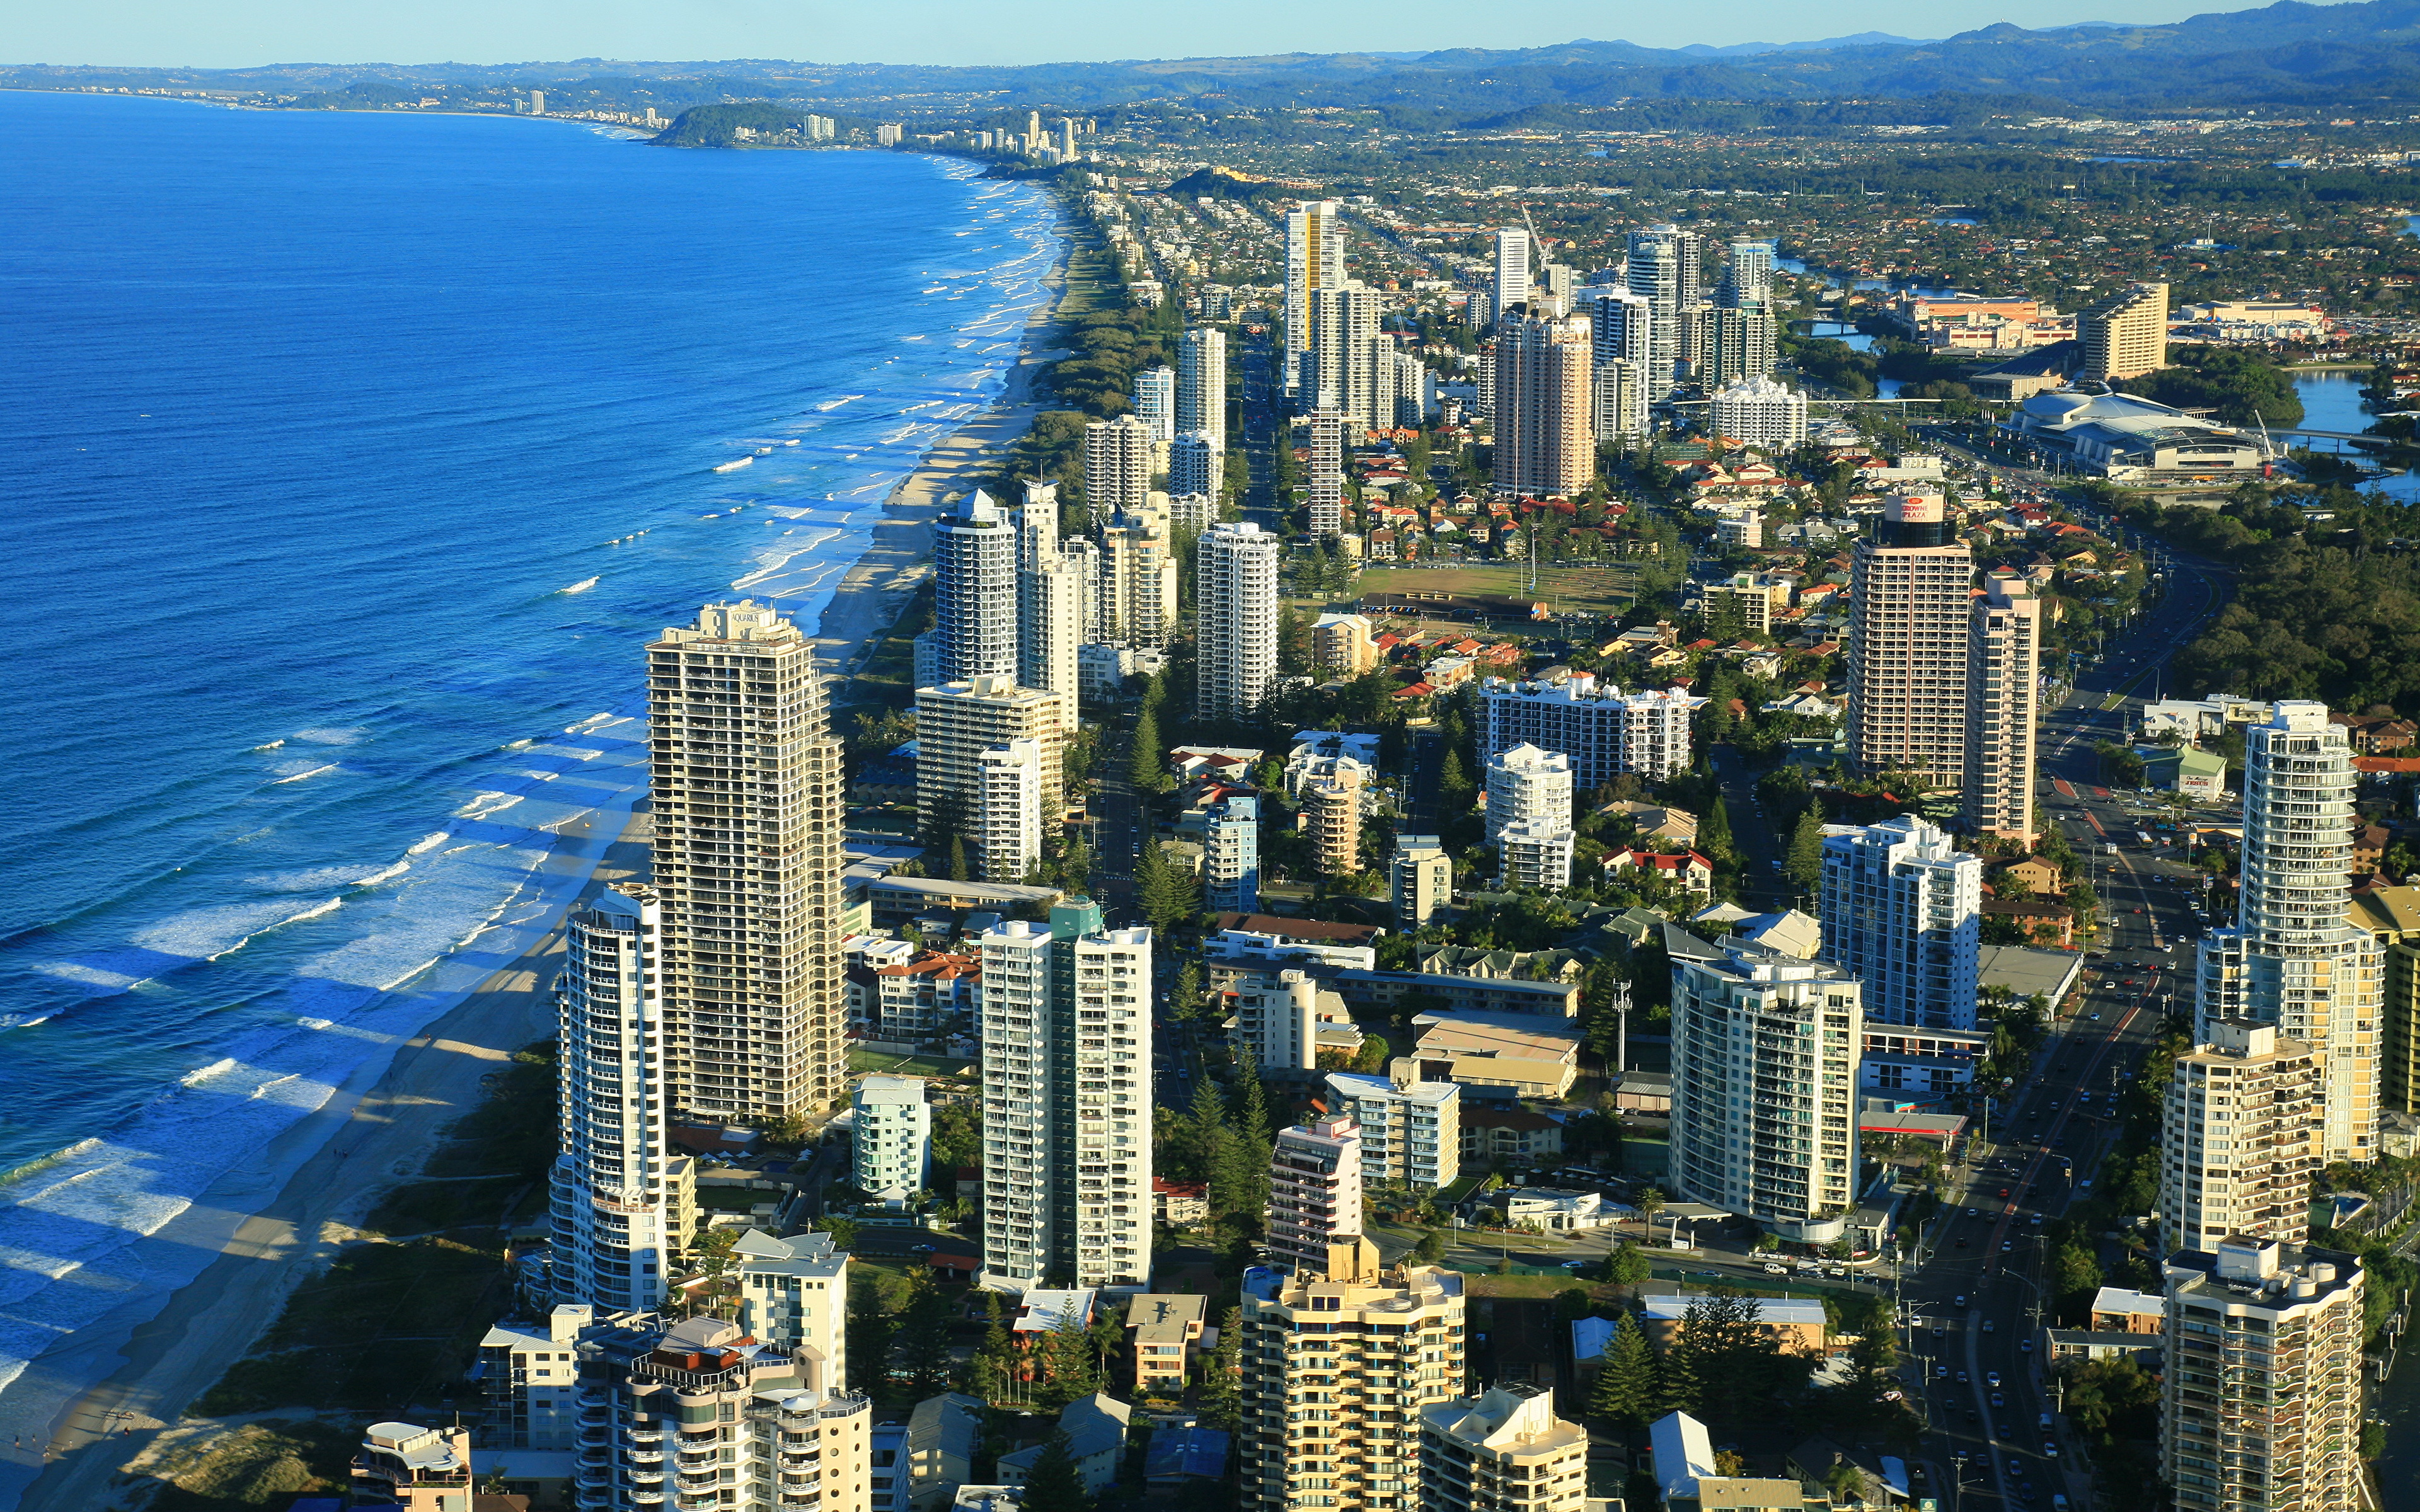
(2357, 56)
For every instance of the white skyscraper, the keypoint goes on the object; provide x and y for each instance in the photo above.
(746, 799)
(1155, 402)
(974, 592)
(1197, 464)
(1411, 1132)
(1117, 466)
(1759, 411)
(1068, 1110)
(1511, 269)
(957, 724)
(1055, 595)
(1201, 385)
(1901, 914)
(1326, 492)
(1604, 730)
(622, 1203)
(2003, 706)
(892, 1144)
(1347, 351)
(1527, 783)
(2293, 958)
(1314, 1189)
(1314, 261)
(1235, 618)
(1011, 814)
(1654, 277)
(1765, 1073)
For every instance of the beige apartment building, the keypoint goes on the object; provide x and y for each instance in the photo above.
(957, 722)
(2003, 701)
(2125, 336)
(1502, 1451)
(746, 788)
(2243, 1138)
(1909, 613)
(1545, 437)
(1338, 1362)
(1342, 645)
(2392, 916)
(1330, 797)
(2261, 1400)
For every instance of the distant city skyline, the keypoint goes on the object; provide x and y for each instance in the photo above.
(176, 33)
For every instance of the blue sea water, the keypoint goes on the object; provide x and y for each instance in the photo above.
(348, 460)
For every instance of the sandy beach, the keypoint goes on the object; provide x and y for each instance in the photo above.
(380, 1127)
(366, 1139)
(878, 586)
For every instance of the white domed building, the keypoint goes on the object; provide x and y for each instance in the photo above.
(2130, 438)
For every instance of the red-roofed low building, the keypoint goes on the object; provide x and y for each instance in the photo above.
(1688, 868)
(925, 997)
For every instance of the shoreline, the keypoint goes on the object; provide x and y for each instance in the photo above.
(371, 1136)
(143, 1368)
(898, 556)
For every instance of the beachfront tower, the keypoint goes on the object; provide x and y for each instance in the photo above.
(746, 798)
(1235, 589)
(958, 726)
(1066, 1102)
(974, 592)
(1117, 466)
(1903, 914)
(1326, 494)
(622, 1204)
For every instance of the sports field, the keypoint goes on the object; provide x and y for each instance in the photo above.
(1567, 589)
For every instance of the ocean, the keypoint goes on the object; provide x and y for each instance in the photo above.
(348, 461)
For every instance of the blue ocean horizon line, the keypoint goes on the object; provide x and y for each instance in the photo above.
(370, 450)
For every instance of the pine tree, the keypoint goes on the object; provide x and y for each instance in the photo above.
(925, 1338)
(1055, 1485)
(1221, 1389)
(959, 869)
(995, 1374)
(1715, 833)
(1186, 1000)
(1169, 894)
(1071, 1370)
(1626, 1387)
(1676, 1382)
(1804, 865)
(1148, 757)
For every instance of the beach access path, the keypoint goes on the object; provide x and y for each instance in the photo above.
(381, 1137)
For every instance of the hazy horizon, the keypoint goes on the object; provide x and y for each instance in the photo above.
(530, 33)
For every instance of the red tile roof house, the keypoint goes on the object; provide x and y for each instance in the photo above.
(1688, 868)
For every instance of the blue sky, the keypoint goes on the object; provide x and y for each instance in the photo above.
(233, 33)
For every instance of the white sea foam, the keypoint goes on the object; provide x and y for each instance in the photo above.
(271, 746)
(431, 842)
(302, 777)
(385, 874)
(834, 404)
(329, 737)
(581, 587)
(485, 803)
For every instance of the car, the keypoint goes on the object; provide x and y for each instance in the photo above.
(1961, 1242)
(2094, 1015)
(2007, 1244)
(1970, 1213)
(1961, 1378)
(919, 1249)
(1988, 1327)
(1772, 1269)
(2050, 1447)
(1939, 1331)
(2024, 1345)
(1577, 1265)
(1998, 1402)
(2034, 1218)
(1959, 1301)
(1991, 1377)
(1940, 1372)
(2003, 1191)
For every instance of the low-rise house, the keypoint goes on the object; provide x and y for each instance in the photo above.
(1164, 1329)
(1795, 1323)
(1689, 870)
(1555, 1211)
(1096, 1428)
(1509, 1136)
